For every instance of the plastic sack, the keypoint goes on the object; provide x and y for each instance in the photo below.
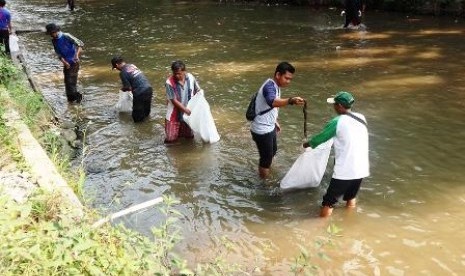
(124, 103)
(309, 168)
(13, 43)
(201, 120)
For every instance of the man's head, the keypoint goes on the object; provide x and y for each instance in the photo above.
(283, 74)
(52, 29)
(342, 101)
(117, 62)
(179, 70)
(2, 3)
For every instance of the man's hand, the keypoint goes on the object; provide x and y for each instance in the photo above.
(66, 64)
(343, 12)
(296, 100)
(359, 13)
(187, 111)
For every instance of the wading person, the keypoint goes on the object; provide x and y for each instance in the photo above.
(133, 80)
(68, 48)
(353, 12)
(181, 86)
(265, 126)
(71, 5)
(350, 133)
(5, 27)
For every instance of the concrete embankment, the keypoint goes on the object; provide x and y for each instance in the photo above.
(41, 170)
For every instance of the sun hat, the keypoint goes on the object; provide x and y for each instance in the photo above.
(344, 98)
(51, 28)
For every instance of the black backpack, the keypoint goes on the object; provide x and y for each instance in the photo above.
(250, 113)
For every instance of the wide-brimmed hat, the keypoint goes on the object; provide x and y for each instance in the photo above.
(344, 98)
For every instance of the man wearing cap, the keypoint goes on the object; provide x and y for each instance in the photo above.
(68, 48)
(134, 81)
(350, 134)
(5, 26)
(265, 126)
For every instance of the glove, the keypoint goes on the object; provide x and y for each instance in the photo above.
(306, 145)
(359, 13)
(343, 12)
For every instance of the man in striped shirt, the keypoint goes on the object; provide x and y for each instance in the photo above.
(350, 134)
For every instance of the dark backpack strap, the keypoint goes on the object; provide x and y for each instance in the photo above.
(356, 118)
(265, 111)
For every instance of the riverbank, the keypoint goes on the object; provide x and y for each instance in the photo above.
(44, 228)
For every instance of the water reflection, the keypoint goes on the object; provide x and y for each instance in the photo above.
(408, 81)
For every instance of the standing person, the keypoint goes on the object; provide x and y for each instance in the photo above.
(134, 81)
(5, 26)
(71, 5)
(68, 48)
(181, 86)
(353, 12)
(350, 133)
(265, 126)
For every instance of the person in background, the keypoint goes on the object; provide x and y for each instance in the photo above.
(5, 27)
(68, 48)
(264, 127)
(181, 86)
(350, 133)
(71, 5)
(353, 12)
(134, 81)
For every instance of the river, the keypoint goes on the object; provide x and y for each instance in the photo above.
(406, 73)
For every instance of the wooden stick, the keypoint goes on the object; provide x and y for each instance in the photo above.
(127, 211)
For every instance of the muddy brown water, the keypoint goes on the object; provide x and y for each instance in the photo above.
(406, 73)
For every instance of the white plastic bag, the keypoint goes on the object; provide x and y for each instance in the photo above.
(13, 43)
(201, 120)
(124, 103)
(308, 170)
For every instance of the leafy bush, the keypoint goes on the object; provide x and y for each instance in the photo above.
(36, 238)
(8, 70)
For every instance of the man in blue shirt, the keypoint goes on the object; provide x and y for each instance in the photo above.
(5, 26)
(68, 48)
(135, 82)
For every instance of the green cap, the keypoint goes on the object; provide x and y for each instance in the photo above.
(342, 97)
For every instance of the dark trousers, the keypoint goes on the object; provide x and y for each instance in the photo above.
(141, 104)
(5, 40)
(71, 5)
(71, 77)
(338, 187)
(352, 17)
(267, 146)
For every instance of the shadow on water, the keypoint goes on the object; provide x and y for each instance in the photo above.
(407, 79)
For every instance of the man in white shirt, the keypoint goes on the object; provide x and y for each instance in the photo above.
(350, 133)
(265, 126)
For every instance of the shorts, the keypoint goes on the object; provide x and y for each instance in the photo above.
(267, 147)
(338, 187)
(174, 130)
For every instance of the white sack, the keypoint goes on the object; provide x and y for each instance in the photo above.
(201, 120)
(13, 43)
(124, 103)
(308, 170)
